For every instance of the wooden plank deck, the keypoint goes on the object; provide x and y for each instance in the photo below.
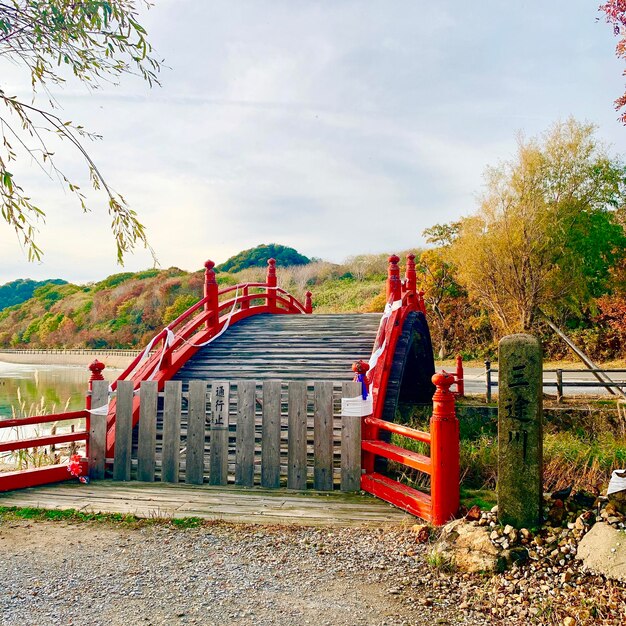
(235, 504)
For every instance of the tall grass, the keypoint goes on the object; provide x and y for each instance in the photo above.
(581, 451)
(35, 456)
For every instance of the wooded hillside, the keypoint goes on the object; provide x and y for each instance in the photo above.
(22, 289)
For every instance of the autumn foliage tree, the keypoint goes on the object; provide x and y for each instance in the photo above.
(615, 11)
(546, 235)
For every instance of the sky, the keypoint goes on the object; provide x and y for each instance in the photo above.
(337, 127)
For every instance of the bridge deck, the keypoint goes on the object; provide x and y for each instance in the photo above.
(234, 504)
(286, 347)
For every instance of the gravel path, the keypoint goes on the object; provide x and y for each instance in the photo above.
(56, 573)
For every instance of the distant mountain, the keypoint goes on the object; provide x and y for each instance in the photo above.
(258, 257)
(18, 291)
(127, 309)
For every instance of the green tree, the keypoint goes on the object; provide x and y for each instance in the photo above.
(546, 234)
(258, 257)
(93, 41)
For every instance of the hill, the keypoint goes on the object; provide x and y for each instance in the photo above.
(125, 310)
(20, 290)
(258, 257)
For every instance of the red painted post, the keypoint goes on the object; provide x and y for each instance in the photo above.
(444, 452)
(271, 281)
(245, 304)
(410, 273)
(421, 304)
(368, 432)
(95, 368)
(210, 293)
(308, 302)
(394, 286)
(460, 383)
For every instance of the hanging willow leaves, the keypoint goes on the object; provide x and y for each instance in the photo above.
(98, 42)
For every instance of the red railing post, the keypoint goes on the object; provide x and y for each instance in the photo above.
(368, 432)
(394, 286)
(411, 281)
(308, 302)
(460, 383)
(210, 293)
(444, 452)
(272, 282)
(421, 304)
(410, 273)
(245, 304)
(95, 367)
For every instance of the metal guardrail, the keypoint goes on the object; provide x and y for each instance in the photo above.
(560, 383)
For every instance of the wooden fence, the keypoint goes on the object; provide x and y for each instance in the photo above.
(271, 434)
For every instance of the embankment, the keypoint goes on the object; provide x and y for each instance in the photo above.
(119, 359)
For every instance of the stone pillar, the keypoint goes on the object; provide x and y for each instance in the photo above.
(520, 432)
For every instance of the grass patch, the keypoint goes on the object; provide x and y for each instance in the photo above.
(486, 499)
(12, 513)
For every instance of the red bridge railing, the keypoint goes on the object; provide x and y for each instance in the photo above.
(199, 325)
(442, 465)
(40, 475)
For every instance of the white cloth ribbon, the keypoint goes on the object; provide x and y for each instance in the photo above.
(101, 410)
(167, 342)
(224, 328)
(390, 307)
(357, 407)
(617, 482)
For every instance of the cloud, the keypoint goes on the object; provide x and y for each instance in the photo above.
(338, 128)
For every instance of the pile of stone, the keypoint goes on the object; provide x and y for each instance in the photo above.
(479, 543)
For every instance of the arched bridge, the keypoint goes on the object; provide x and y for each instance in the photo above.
(259, 332)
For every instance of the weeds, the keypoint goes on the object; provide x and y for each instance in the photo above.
(74, 516)
(35, 456)
(580, 447)
(440, 561)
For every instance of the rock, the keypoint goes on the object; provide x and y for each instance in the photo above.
(569, 621)
(515, 555)
(557, 513)
(584, 499)
(468, 547)
(603, 551)
(562, 494)
(473, 514)
(421, 532)
(617, 501)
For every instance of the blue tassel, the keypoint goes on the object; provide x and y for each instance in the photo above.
(361, 379)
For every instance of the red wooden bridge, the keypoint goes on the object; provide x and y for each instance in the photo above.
(259, 331)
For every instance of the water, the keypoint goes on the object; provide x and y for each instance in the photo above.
(58, 388)
(39, 390)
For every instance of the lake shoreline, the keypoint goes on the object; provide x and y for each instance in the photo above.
(113, 359)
